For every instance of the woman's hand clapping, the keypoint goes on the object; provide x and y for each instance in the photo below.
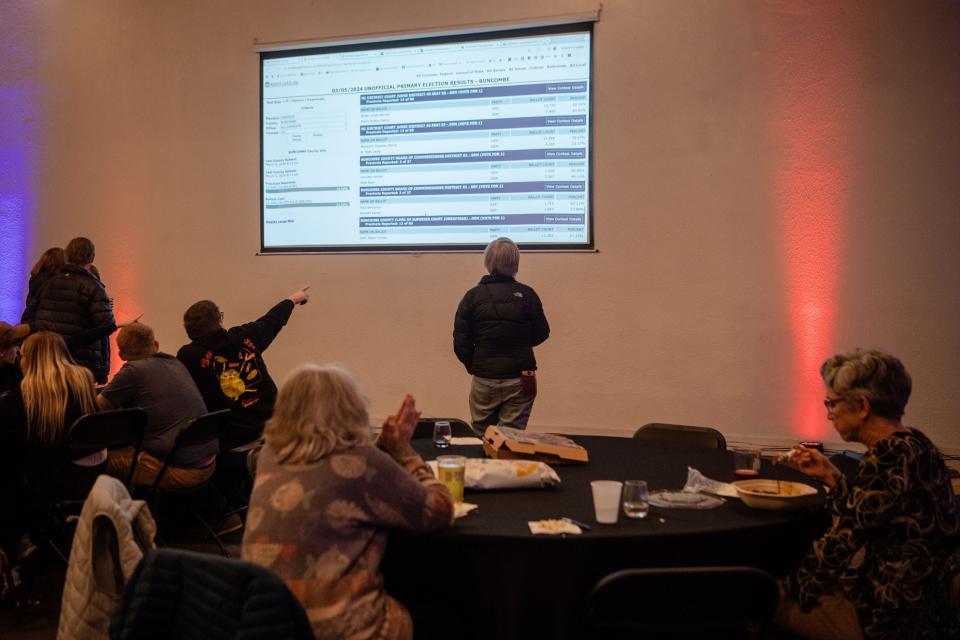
(398, 429)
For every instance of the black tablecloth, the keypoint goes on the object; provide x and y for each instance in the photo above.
(489, 577)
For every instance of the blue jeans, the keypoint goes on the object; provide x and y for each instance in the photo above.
(499, 402)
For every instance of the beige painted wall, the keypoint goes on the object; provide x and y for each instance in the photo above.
(149, 117)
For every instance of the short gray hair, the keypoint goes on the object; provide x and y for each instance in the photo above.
(319, 410)
(502, 257)
(875, 375)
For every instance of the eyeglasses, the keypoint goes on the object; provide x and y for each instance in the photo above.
(830, 403)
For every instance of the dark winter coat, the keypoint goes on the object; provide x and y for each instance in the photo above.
(183, 594)
(69, 303)
(497, 325)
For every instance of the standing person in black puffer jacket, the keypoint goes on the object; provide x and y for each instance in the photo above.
(74, 301)
(498, 323)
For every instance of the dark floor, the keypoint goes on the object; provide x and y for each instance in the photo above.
(39, 621)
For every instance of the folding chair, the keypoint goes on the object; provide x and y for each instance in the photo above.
(681, 435)
(116, 429)
(200, 431)
(687, 602)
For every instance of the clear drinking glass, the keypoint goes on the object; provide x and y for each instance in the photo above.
(746, 463)
(635, 504)
(442, 434)
(451, 471)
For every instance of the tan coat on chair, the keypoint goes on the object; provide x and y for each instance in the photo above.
(113, 533)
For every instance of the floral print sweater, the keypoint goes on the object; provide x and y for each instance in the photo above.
(902, 511)
(322, 527)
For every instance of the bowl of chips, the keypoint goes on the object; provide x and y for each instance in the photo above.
(773, 494)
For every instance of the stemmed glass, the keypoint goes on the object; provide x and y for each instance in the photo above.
(442, 434)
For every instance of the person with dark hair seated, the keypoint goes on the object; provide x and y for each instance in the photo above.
(228, 368)
(325, 499)
(12, 515)
(901, 511)
(11, 336)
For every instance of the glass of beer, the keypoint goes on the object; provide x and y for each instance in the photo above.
(451, 470)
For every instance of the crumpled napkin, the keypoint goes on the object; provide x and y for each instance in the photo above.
(553, 527)
(699, 483)
(461, 509)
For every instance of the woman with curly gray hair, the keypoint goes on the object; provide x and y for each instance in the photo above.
(900, 510)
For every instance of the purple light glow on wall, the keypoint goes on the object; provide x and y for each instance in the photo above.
(19, 144)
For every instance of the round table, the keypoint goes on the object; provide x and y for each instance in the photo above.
(487, 576)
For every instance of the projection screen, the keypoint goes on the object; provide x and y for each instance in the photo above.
(428, 144)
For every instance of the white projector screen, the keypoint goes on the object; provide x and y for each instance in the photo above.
(428, 144)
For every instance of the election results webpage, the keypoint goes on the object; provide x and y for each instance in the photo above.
(452, 143)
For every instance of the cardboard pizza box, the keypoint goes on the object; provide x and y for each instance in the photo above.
(509, 443)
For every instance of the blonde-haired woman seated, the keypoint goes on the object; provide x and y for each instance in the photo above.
(54, 392)
(325, 498)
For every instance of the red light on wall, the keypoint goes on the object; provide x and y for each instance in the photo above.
(119, 258)
(811, 77)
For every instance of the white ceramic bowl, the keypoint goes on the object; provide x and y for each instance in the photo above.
(762, 494)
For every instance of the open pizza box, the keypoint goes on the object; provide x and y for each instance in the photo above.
(507, 443)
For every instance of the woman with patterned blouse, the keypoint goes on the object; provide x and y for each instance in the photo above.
(900, 511)
(325, 498)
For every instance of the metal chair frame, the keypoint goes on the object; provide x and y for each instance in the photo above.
(683, 602)
(201, 430)
(681, 435)
(114, 429)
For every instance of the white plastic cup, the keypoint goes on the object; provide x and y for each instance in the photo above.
(606, 500)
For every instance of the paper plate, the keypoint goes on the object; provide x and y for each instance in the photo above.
(684, 500)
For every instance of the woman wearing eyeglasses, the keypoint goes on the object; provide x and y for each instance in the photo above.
(900, 510)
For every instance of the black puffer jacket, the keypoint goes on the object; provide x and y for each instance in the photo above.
(69, 303)
(498, 323)
(34, 287)
(183, 594)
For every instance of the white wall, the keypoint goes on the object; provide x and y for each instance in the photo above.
(148, 113)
